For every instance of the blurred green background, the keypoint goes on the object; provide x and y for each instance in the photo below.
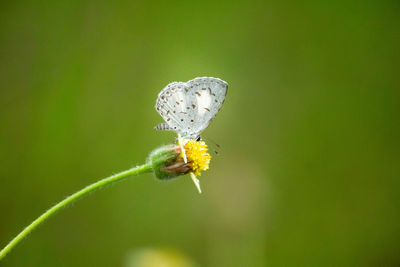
(308, 170)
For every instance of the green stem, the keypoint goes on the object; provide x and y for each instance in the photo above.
(114, 178)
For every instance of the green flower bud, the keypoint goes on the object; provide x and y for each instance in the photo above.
(167, 162)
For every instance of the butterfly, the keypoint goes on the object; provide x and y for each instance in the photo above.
(189, 107)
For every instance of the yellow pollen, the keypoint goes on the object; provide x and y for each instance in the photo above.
(197, 156)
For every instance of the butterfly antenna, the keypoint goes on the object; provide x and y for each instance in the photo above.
(214, 146)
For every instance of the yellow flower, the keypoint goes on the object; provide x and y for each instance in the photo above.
(197, 156)
(170, 161)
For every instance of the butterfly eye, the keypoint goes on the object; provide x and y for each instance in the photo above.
(198, 139)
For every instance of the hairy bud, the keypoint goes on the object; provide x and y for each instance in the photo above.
(167, 163)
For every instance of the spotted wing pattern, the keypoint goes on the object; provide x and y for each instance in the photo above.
(188, 108)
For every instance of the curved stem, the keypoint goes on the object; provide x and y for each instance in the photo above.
(114, 178)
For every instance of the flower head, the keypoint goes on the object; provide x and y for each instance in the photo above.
(168, 161)
(197, 156)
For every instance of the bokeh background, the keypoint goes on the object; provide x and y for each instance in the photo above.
(308, 169)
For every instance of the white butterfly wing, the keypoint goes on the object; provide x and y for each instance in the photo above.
(206, 98)
(188, 108)
(171, 105)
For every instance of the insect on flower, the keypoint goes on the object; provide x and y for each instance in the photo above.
(188, 108)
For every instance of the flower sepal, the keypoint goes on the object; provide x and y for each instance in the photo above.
(167, 163)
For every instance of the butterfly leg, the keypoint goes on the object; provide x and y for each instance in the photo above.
(192, 175)
(180, 141)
